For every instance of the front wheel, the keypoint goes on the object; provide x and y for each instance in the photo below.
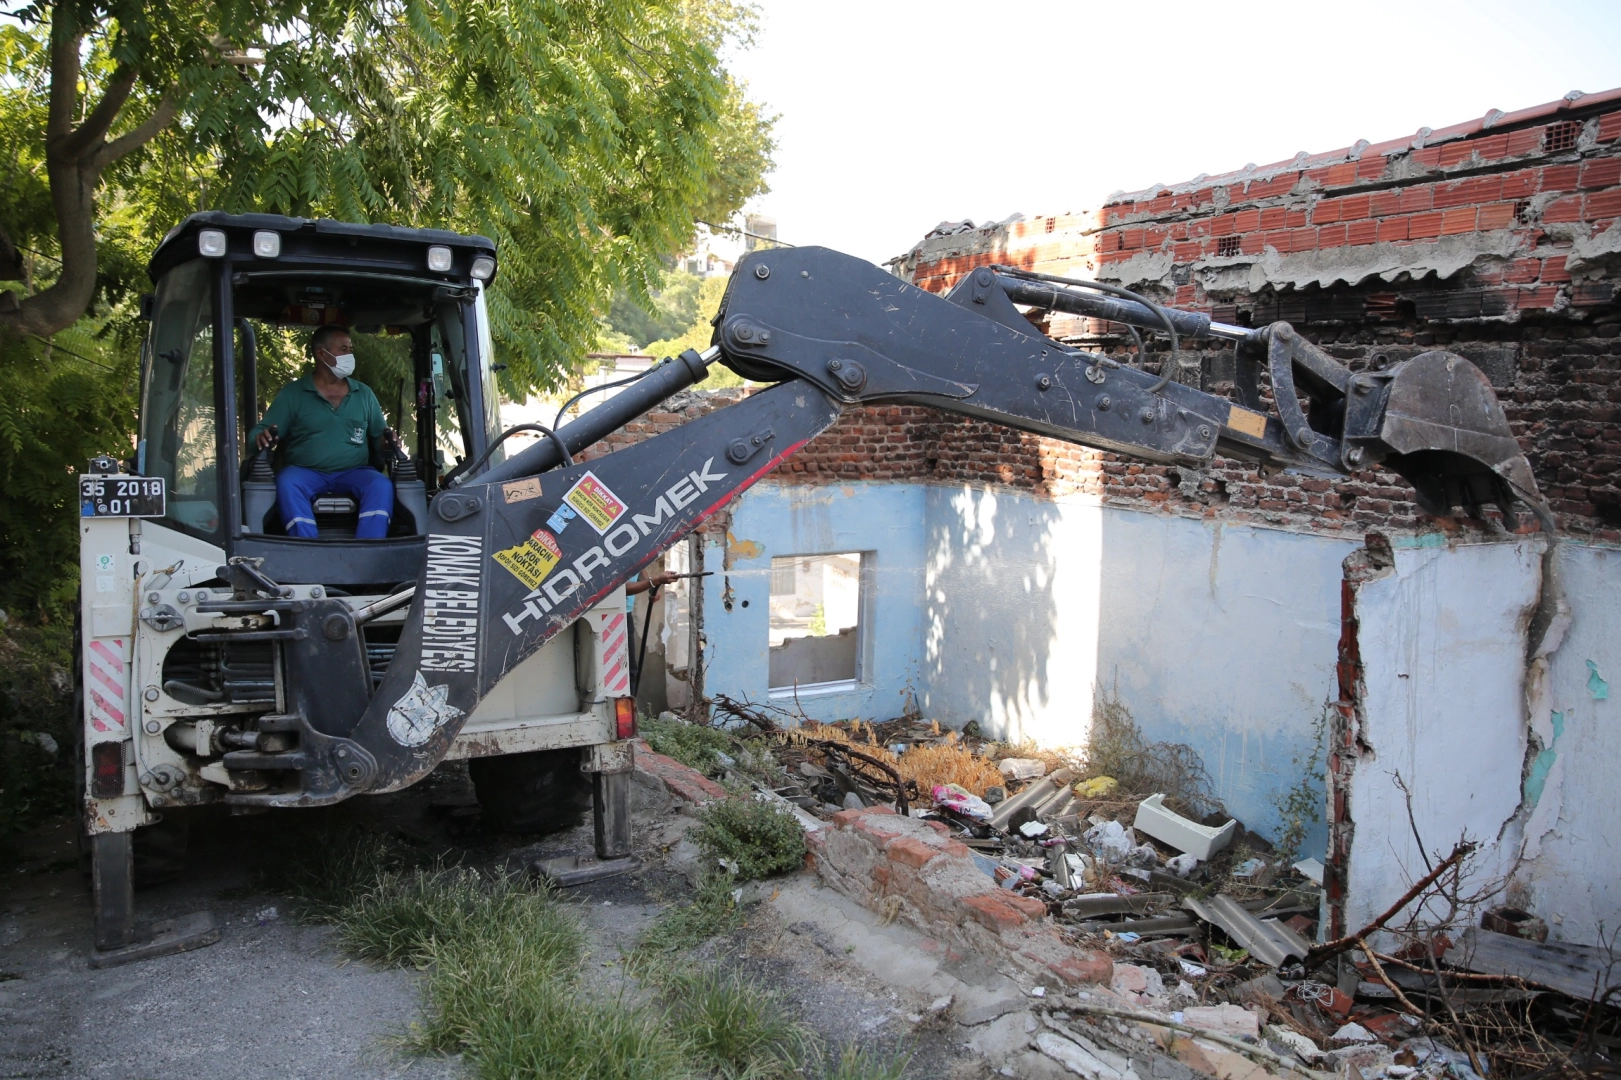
(542, 791)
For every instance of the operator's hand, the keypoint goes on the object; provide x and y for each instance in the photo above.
(391, 440)
(267, 438)
(661, 579)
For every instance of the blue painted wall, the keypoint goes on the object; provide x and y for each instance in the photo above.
(882, 521)
(1013, 611)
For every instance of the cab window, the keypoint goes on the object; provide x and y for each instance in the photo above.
(177, 414)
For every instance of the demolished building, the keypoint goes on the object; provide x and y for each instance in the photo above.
(1013, 581)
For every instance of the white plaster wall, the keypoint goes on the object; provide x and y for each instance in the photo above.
(1442, 640)
(1571, 875)
(1010, 620)
(1219, 636)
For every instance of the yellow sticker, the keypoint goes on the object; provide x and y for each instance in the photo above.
(1247, 422)
(521, 490)
(599, 506)
(533, 559)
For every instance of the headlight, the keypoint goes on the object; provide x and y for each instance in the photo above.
(439, 259)
(483, 268)
(267, 244)
(211, 243)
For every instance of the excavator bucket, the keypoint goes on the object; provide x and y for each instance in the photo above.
(1444, 431)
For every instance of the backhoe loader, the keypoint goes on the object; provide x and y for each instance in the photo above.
(224, 661)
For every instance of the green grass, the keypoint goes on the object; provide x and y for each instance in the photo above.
(503, 981)
(693, 745)
(756, 839)
(713, 912)
(736, 1027)
(865, 1063)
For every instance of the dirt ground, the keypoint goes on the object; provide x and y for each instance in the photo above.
(277, 998)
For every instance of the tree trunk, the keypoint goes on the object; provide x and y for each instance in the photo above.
(75, 157)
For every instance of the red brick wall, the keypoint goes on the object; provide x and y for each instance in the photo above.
(1492, 239)
(1501, 207)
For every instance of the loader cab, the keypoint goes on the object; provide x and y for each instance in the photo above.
(236, 299)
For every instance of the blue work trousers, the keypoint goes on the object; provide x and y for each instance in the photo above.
(297, 488)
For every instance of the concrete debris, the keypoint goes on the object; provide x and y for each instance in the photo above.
(1234, 1020)
(1285, 1040)
(1076, 1058)
(1515, 923)
(1354, 1033)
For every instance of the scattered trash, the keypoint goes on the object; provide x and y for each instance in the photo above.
(961, 801)
(1021, 768)
(266, 915)
(1099, 787)
(1515, 923)
(1311, 870)
(1128, 937)
(1033, 829)
(1201, 841)
(1182, 865)
(1249, 868)
(995, 794)
(1110, 841)
(1192, 970)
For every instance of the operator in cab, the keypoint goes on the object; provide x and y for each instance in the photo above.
(327, 426)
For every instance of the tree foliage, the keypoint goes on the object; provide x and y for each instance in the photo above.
(583, 137)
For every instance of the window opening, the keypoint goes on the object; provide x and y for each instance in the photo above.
(815, 634)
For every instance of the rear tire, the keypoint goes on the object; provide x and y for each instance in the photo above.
(539, 792)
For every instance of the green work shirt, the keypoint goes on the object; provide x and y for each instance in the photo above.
(318, 435)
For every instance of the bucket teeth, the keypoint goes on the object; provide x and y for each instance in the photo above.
(1445, 432)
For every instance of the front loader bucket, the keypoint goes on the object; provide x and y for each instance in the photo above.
(1445, 432)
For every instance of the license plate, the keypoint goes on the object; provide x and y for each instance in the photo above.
(121, 496)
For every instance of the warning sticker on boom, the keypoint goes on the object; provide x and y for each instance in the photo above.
(599, 506)
(1247, 422)
(533, 559)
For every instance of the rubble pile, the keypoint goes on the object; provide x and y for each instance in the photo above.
(1213, 937)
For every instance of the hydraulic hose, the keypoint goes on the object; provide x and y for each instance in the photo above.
(1141, 307)
(453, 479)
(648, 390)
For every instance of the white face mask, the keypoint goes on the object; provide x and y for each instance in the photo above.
(343, 364)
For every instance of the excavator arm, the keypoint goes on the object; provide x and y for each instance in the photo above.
(520, 551)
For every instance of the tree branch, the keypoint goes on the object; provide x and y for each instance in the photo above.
(144, 132)
(88, 134)
(65, 40)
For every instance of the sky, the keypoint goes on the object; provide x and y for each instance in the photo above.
(896, 115)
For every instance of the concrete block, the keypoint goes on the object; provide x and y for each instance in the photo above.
(1233, 1020)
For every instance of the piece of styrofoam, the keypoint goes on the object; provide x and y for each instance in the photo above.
(1200, 841)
